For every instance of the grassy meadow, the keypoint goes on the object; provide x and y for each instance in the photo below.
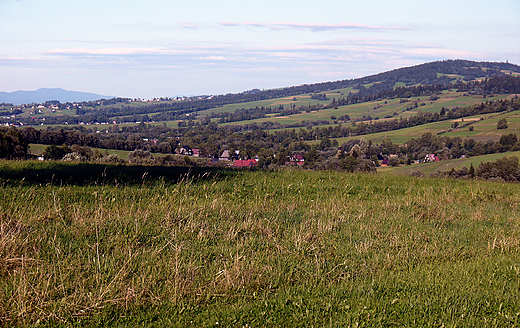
(484, 129)
(445, 165)
(147, 246)
(380, 109)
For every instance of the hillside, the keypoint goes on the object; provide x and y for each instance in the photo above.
(404, 123)
(357, 90)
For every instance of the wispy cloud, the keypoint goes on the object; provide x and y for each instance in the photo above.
(219, 58)
(252, 24)
(437, 52)
(339, 52)
(315, 27)
(111, 51)
(95, 41)
(191, 26)
(362, 41)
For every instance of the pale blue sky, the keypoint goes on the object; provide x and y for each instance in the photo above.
(159, 48)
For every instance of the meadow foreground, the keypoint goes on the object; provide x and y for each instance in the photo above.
(259, 248)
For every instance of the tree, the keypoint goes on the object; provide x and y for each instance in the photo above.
(502, 124)
(375, 160)
(366, 165)
(393, 162)
(12, 144)
(56, 152)
(187, 160)
(141, 157)
(505, 168)
(311, 156)
(508, 140)
(349, 163)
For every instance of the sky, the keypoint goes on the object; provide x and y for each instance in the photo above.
(160, 48)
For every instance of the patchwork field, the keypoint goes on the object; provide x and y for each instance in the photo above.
(444, 166)
(375, 109)
(484, 129)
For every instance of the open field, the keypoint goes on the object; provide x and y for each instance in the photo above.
(443, 166)
(483, 130)
(301, 100)
(37, 149)
(379, 109)
(255, 248)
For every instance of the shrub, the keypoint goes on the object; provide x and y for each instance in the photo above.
(74, 157)
(141, 157)
(505, 168)
(502, 124)
(111, 159)
(56, 152)
(393, 162)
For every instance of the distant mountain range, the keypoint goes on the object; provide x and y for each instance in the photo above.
(45, 94)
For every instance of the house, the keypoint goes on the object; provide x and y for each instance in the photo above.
(245, 163)
(185, 150)
(431, 158)
(384, 162)
(225, 156)
(195, 152)
(296, 159)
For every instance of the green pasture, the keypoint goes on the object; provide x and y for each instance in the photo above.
(454, 77)
(483, 130)
(487, 129)
(379, 109)
(254, 249)
(301, 100)
(47, 112)
(37, 149)
(444, 166)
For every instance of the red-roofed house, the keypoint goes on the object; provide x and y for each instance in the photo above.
(297, 159)
(245, 163)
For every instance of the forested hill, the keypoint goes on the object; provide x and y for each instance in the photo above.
(437, 72)
(440, 72)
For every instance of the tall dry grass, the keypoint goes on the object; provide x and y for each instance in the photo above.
(295, 246)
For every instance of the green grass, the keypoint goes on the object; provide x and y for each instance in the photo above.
(483, 130)
(301, 100)
(444, 166)
(379, 109)
(37, 149)
(259, 248)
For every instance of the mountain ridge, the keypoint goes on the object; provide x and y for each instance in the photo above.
(42, 95)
